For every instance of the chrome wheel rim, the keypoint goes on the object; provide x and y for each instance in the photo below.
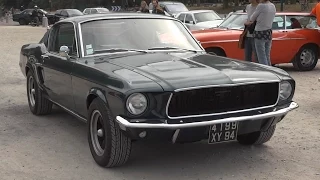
(307, 57)
(32, 91)
(97, 133)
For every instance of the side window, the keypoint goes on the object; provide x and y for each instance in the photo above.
(94, 11)
(188, 18)
(278, 23)
(63, 35)
(87, 11)
(64, 13)
(58, 12)
(181, 17)
(297, 22)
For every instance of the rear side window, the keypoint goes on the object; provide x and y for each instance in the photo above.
(189, 18)
(58, 12)
(94, 11)
(64, 13)
(181, 17)
(87, 11)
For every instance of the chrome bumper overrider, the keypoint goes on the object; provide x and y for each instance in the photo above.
(125, 124)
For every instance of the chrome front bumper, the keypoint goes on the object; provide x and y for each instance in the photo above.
(124, 124)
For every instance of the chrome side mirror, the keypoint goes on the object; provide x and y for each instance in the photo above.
(64, 51)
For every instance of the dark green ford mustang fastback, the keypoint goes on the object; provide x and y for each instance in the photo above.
(145, 77)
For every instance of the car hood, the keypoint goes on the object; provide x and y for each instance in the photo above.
(210, 24)
(182, 70)
(225, 34)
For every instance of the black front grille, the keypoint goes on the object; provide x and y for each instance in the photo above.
(223, 99)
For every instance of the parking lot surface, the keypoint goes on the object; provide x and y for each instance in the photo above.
(55, 146)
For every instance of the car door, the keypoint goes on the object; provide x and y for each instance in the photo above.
(57, 68)
(280, 49)
(300, 32)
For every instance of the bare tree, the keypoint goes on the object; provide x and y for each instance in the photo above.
(225, 3)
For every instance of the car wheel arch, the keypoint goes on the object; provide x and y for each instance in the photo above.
(218, 49)
(93, 94)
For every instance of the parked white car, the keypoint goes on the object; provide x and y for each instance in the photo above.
(200, 19)
(99, 10)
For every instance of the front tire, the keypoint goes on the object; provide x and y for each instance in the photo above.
(257, 138)
(22, 22)
(38, 104)
(108, 145)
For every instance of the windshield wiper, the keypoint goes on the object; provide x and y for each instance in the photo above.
(113, 50)
(176, 48)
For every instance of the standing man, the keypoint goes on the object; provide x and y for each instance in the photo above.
(156, 8)
(36, 15)
(263, 15)
(249, 47)
(316, 12)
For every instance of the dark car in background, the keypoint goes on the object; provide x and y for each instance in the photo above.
(24, 17)
(66, 13)
(172, 8)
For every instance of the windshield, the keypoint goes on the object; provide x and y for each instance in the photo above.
(74, 12)
(176, 7)
(206, 16)
(235, 21)
(102, 10)
(139, 34)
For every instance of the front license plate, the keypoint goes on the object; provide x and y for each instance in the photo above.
(223, 132)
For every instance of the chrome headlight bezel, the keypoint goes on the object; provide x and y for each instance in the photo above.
(285, 90)
(141, 99)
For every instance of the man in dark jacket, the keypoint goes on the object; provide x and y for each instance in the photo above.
(36, 15)
(156, 8)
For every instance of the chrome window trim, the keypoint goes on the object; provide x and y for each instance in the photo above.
(129, 17)
(227, 112)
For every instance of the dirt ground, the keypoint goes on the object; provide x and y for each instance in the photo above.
(55, 146)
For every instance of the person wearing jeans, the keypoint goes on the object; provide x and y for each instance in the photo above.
(249, 46)
(263, 15)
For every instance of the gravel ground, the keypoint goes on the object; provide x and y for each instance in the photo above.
(55, 146)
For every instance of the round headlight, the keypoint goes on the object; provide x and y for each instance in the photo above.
(285, 90)
(136, 103)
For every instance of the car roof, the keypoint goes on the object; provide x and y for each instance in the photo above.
(196, 11)
(170, 2)
(89, 17)
(284, 13)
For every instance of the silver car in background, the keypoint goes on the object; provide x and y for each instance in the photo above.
(200, 19)
(99, 10)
